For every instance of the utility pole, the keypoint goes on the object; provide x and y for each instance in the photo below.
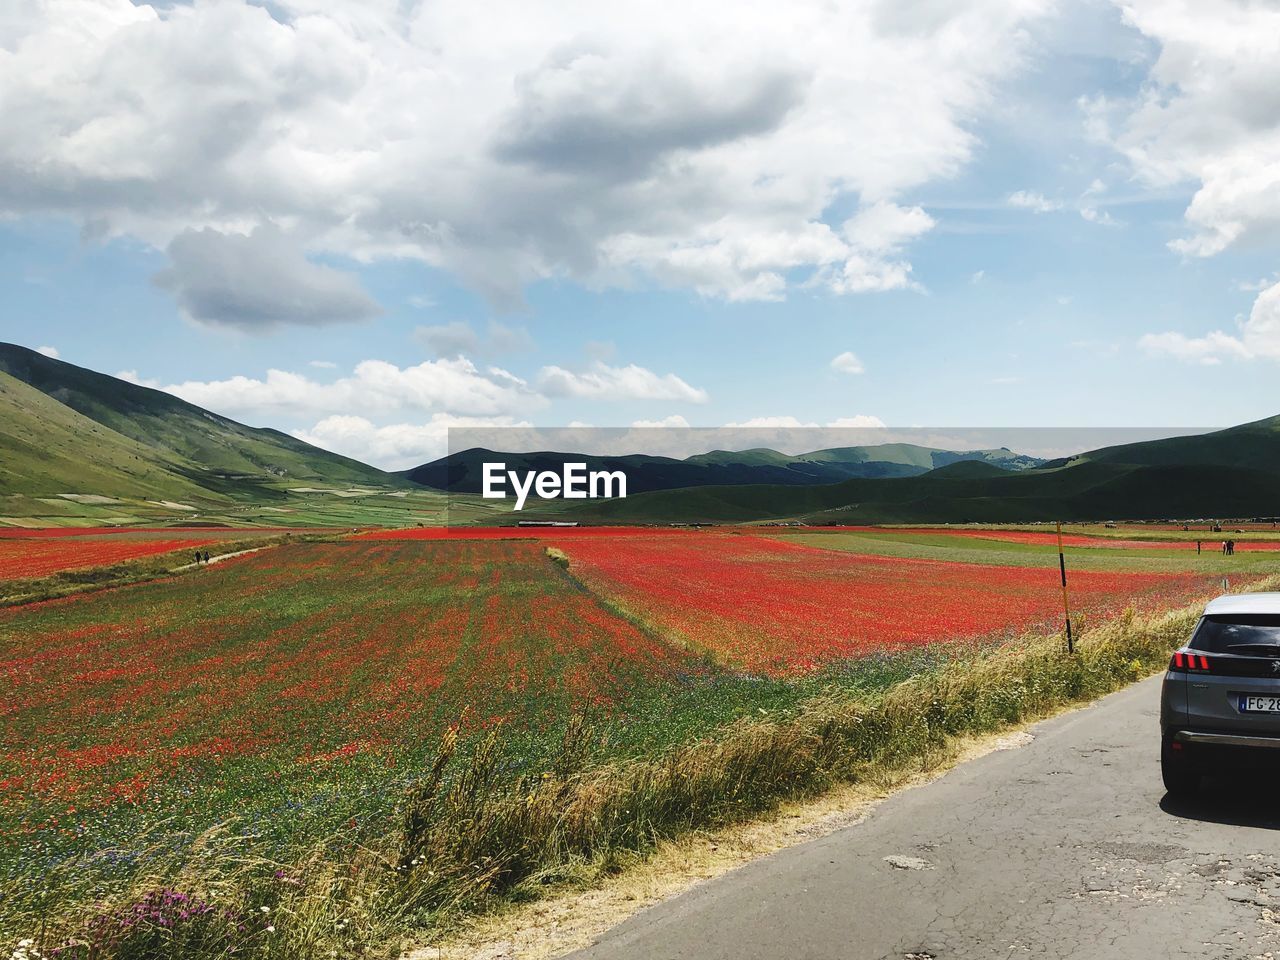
(1066, 605)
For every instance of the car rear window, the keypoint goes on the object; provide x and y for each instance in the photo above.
(1219, 634)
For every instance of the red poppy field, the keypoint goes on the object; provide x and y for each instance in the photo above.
(21, 559)
(782, 608)
(304, 657)
(302, 689)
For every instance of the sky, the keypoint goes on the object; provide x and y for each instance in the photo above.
(368, 222)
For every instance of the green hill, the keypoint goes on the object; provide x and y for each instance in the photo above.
(461, 472)
(48, 449)
(75, 443)
(1254, 446)
(1173, 478)
(204, 447)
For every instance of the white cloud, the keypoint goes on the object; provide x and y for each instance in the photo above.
(847, 362)
(1207, 117)
(977, 276)
(770, 423)
(859, 422)
(874, 237)
(1038, 203)
(51, 352)
(131, 376)
(1100, 217)
(397, 446)
(257, 281)
(1253, 286)
(1259, 336)
(458, 338)
(374, 389)
(322, 364)
(674, 421)
(453, 391)
(603, 382)
(505, 145)
(1035, 202)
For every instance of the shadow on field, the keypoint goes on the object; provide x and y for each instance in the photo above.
(1240, 796)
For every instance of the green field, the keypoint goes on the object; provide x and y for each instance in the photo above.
(299, 695)
(410, 728)
(950, 548)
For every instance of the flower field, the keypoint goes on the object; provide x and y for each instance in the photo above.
(147, 533)
(300, 691)
(556, 534)
(20, 559)
(1047, 539)
(781, 608)
(291, 675)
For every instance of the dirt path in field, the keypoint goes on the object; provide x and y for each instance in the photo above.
(218, 559)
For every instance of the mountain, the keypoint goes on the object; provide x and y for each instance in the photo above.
(461, 472)
(46, 448)
(1254, 446)
(1228, 473)
(65, 429)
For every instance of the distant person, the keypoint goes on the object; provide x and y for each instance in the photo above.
(1224, 548)
(1231, 548)
(1197, 548)
(197, 558)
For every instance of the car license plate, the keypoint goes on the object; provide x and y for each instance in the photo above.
(1259, 704)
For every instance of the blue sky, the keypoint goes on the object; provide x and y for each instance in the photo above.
(1066, 223)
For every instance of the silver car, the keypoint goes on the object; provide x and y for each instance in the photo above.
(1221, 695)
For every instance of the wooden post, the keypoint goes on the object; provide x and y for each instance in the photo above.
(1066, 605)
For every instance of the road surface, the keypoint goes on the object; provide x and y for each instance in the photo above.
(1064, 847)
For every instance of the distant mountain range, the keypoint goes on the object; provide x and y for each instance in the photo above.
(461, 472)
(65, 430)
(1227, 473)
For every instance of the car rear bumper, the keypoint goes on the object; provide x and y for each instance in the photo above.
(1213, 739)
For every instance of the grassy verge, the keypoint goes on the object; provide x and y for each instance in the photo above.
(477, 834)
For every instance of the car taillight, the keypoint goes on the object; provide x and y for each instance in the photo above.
(1191, 662)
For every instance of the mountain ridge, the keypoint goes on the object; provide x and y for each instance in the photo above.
(461, 472)
(1227, 473)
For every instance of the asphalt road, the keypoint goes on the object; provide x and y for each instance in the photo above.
(1064, 847)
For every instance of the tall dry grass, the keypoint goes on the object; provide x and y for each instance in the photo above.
(474, 835)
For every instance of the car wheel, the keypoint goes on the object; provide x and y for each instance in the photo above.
(1181, 775)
